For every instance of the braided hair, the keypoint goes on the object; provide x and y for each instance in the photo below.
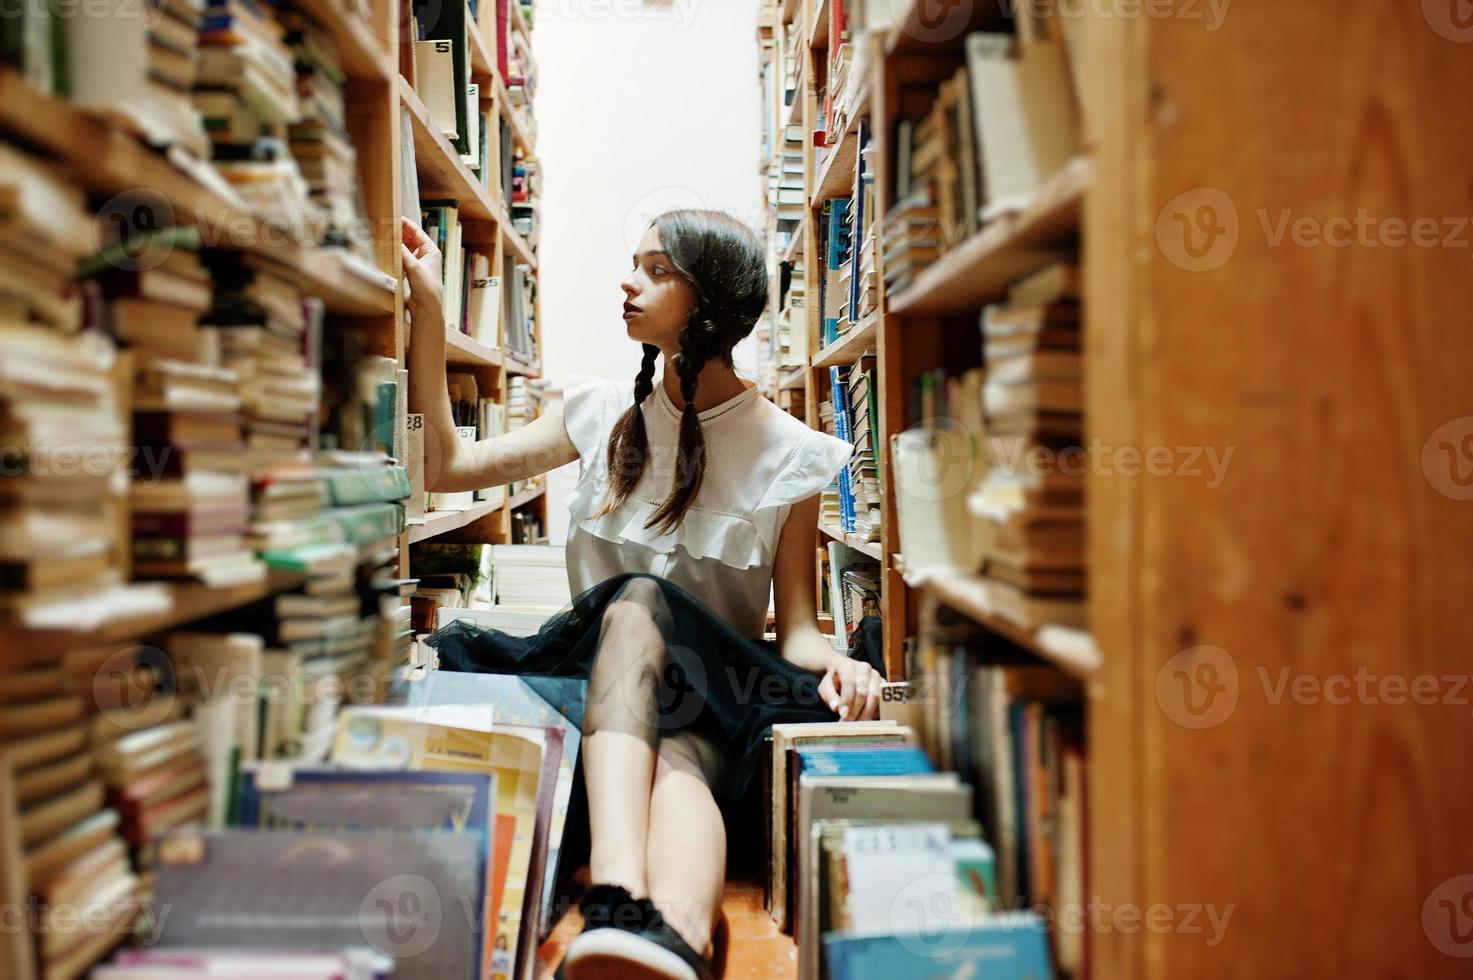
(725, 265)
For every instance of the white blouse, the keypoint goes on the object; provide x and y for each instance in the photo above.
(759, 462)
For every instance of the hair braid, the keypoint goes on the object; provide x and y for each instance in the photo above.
(629, 442)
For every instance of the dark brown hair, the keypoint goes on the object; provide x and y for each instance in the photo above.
(725, 265)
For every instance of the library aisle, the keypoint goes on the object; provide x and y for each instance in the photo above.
(1136, 334)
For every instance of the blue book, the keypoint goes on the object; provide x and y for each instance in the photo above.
(1005, 947)
(863, 760)
(839, 387)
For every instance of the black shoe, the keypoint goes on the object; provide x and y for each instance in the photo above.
(609, 908)
(655, 951)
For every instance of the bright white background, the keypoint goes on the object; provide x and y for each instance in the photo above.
(640, 106)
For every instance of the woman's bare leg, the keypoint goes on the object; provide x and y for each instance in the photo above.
(621, 727)
(686, 850)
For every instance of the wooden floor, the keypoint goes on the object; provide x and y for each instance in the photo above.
(755, 950)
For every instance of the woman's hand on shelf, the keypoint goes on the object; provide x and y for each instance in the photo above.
(851, 689)
(421, 267)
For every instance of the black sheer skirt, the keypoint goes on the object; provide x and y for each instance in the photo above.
(712, 681)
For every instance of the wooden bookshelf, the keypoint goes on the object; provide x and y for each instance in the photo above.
(187, 602)
(104, 157)
(1295, 565)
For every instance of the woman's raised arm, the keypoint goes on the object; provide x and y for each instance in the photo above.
(450, 465)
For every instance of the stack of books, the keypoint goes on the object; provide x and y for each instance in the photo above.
(190, 512)
(319, 141)
(792, 320)
(64, 432)
(911, 236)
(851, 581)
(523, 199)
(173, 60)
(859, 815)
(155, 288)
(529, 577)
(64, 846)
(264, 329)
(441, 222)
(156, 778)
(247, 90)
(1033, 401)
(246, 71)
(833, 95)
(785, 182)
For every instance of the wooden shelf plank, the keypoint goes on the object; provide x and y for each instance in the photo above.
(465, 351)
(836, 173)
(190, 601)
(980, 269)
(105, 160)
(526, 497)
(818, 31)
(1070, 650)
(441, 522)
(441, 171)
(861, 339)
(870, 548)
(793, 379)
(795, 243)
(362, 52)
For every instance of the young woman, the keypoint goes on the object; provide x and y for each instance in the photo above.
(696, 498)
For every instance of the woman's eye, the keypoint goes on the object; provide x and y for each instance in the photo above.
(658, 270)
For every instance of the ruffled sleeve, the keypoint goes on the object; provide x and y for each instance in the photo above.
(813, 465)
(589, 414)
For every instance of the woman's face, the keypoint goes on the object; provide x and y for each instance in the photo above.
(656, 299)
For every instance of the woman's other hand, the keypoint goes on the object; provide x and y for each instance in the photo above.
(851, 689)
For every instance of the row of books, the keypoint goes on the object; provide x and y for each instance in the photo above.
(108, 747)
(467, 816)
(875, 855)
(1009, 454)
(1014, 729)
(851, 413)
(849, 582)
(849, 287)
(438, 67)
(475, 302)
(1000, 127)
